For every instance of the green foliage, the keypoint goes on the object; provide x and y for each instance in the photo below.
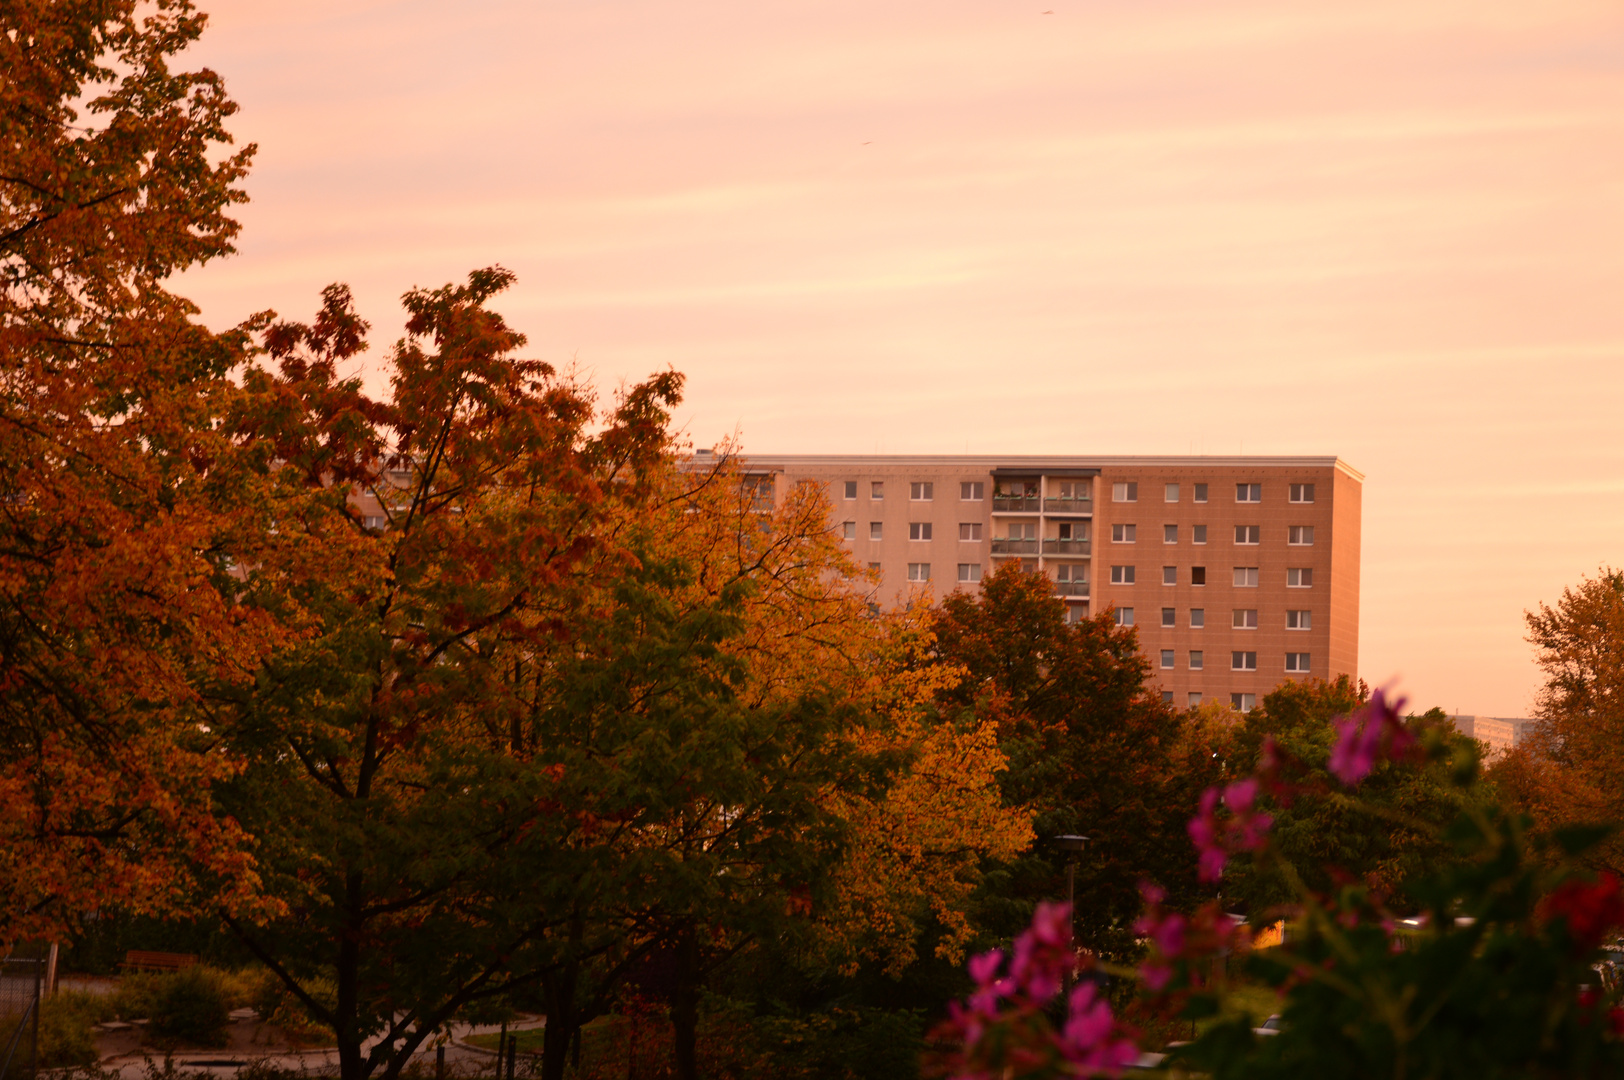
(65, 1036)
(1491, 986)
(189, 1006)
(1090, 749)
(278, 1006)
(845, 1043)
(1390, 833)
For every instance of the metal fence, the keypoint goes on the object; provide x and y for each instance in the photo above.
(25, 976)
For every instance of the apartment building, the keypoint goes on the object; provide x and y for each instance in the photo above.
(1238, 572)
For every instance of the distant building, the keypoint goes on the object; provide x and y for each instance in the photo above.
(1498, 733)
(1238, 572)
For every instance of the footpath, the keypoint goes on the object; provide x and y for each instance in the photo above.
(461, 1059)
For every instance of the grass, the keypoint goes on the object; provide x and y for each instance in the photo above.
(1256, 1003)
(593, 1033)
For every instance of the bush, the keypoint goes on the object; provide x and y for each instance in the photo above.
(190, 1006)
(278, 1007)
(65, 1036)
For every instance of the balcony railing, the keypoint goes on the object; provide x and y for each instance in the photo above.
(1071, 588)
(1016, 504)
(1056, 505)
(1065, 547)
(1008, 545)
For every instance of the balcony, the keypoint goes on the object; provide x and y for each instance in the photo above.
(1065, 547)
(1068, 506)
(1008, 545)
(1016, 504)
(1071, 588)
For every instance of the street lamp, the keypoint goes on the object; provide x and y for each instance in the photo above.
(1072, 845)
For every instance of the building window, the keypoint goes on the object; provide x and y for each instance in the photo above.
(919, 571)
(1302, 493)
(1299, 620)
(1073, 530)
(1198, 534)
(873, 566)
(972, 490)
(1245, 577)
(1124, 616)
(1198, 617)
(1198, 575)
(1301, 535)
(1248, 534)
(1167, 697)
(1243, 661)
(876, 530)
(1243, 702)
(1121, 575)
(1195, 698)
(1300, 577)
(921, 491)
(1248, 493)
(851, 489)
(1125, 491)
(918, 530)
(1298, 662)
(1074, 613)
(1023, 530)
(1124, 534)
(1245, 619)
(969, 571)
(1071, 574)
(1197, 658)
(848, 530)
(1170, 616)
(1170, 575)
(1170, 493)
(876, 489)
(374, 521)
(1170, 534)
(1075, 491)
(1167, 659)
(1200, 493)
(970, 531)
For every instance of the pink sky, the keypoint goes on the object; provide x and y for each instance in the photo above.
(1392, 231)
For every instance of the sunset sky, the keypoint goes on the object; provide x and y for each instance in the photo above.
(1392, 231)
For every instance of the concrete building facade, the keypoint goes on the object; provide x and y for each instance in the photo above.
(1239, 573)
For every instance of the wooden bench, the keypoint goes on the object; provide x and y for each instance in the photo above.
(136, 960)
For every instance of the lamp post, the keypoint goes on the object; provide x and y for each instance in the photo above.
(1072, 845)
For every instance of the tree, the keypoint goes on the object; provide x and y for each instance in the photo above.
(1090, 748)
(390, 781)
(763, 747)
(1569, 769)
(1390, 834)
(115, 515)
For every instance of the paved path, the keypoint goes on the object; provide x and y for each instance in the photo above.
(461, 1059)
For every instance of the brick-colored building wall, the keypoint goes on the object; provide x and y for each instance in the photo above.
(1077, 543)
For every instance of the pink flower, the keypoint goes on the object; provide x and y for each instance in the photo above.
(1205, 834)
(1006, 1024)
(1361, 734)
(1240, 795)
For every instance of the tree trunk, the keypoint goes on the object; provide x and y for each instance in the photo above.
(562, 1022)
(685, 1005)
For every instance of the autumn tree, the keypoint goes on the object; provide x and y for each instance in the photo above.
(1568, 769)
(390, 780)
(763, 770)
(116, 171)
(1090, 748)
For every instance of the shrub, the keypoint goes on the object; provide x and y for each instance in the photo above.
(190, 1006)
(65, 1037)
(278, 1007)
